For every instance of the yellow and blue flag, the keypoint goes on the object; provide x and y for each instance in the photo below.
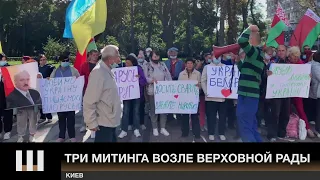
(84, 20)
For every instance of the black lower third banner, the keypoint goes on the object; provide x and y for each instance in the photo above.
(94, 161)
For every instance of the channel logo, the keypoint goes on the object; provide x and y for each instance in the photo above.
(29, 160)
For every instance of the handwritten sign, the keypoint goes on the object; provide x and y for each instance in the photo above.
(61, 94)
(289, 80)
(127, 82)
(219, 81)
(181, 97)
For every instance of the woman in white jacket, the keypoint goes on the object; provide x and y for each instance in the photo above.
(214, 106)
(315, 89)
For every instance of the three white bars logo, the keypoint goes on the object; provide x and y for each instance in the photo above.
(25, 160)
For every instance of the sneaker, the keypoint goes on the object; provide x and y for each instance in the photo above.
(73, 140)
(137, 133)
(129, 128)
(143, 127)
(60, 140)
(49, 120)
(222, 137)
(164, 132)
(211, 137)
(83, 129)
(20, 139)
(273, 140)
(7, 136)
(122, 134)
(31, 138)
(41, 121)
(203, 129)
(286, 139)
(318, 135)
(312, 122)
(155, 132)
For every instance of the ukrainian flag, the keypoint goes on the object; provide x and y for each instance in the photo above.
(84, 20)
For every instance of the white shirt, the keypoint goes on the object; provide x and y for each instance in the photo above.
(25, 95)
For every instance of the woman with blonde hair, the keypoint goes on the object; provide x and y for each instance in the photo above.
(294, 54)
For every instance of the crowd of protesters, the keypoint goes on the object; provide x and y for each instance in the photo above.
(102, 105)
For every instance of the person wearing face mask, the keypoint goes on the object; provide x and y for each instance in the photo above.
(175, 66)
(131, 108)
(214, 106)
(6, 116)
(314, 95)
(66, 119)
(227, 59)
(156, 71)
(304, 56)
(147, 55)
(101, 102)
(144, 106)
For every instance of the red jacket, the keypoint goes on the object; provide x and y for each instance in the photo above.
(85, 71)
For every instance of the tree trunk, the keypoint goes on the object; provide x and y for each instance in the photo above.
(222, 21)
(244, 9)
(132, 26)
(150, 25)
(252, 13)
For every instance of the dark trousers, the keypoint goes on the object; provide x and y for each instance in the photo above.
(142, 110)
(105, 134)
(45, 116)
(7, 117)
(212, 108)
(185, 127)
(247, 108)
(231, 115)
(134, 106)
(317, 114)
(264, 111)
(277, 124)
(67, 122)
(310, 108)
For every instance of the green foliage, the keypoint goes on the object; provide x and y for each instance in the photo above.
(54, 47)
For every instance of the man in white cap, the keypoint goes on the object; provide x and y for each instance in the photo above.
(148, 52)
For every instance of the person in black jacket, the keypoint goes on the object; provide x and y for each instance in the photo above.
(46, 70)
(6, 114)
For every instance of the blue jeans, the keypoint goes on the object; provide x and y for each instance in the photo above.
(131, 105)
(247, 122)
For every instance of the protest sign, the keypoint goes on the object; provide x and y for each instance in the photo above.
(61, 94)
(127, 82)
(219, 81)
(289, 80)
(181, 97)
(20, 85)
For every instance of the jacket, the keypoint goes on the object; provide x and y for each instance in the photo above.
(3, 103)
(314, 92)
(142, 81)
(85, 71)
(74, 72)
(204, 79)
(101, 101)
(179, 67)
(195, 75)
(46, 70)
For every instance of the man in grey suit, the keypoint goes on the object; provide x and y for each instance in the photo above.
(25, 99)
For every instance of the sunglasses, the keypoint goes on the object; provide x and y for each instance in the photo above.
(65, 60)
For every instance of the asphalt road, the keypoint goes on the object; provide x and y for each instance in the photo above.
(48, 132)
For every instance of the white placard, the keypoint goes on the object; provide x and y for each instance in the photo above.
(128, 82)
(219, 81)
(289, 80)
(61, 94)
(180, 97)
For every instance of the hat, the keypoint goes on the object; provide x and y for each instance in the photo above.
(132, 54)
(173, 49)
(148, 49)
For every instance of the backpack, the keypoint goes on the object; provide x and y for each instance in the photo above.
(293, 126)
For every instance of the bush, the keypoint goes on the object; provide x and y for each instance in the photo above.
(54, 47)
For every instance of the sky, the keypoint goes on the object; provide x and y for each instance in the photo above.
(264, 7)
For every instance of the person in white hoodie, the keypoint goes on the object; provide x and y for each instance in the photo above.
(214, 105)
